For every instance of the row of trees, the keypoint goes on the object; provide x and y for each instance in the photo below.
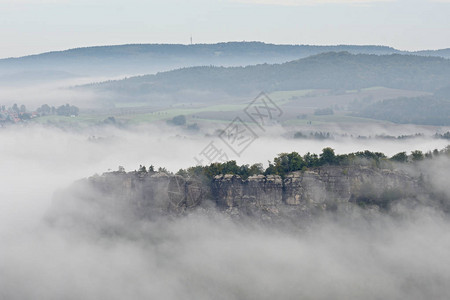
(318, 135)
(285, 163)
(45, 109)
(445, 136)
(16, 108)
(63, 110)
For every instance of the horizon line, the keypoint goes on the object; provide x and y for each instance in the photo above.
(217, 43)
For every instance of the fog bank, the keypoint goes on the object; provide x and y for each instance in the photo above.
(204, 256)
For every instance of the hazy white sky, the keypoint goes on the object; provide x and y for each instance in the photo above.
(34, 26)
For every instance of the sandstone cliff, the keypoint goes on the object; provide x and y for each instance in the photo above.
(322, 188)
(298, 194)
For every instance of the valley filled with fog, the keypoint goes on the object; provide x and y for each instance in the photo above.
(198, 256)
(58, 129)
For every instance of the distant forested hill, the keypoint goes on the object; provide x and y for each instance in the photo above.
(431, 110)
(341, 71)
(150, 58)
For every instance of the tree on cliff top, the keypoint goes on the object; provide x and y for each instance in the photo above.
(288, 162)
(327, 156)
(400, 157)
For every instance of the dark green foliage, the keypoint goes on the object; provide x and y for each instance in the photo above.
(45, 109)
(193, 127)
(327, 156)
(178, 120)
(197, 171)
(427, 110)
(67, 110)
(163, 170)
(332, 70)
(368, 155)
(400, 157)
(229, 167)
(110, 121)
(445, 136)
(299, 135)
(285, 163)
(318, 135)
(256, 169)
(369, 196)
(142, 58)
(311, 160)
(24, 116)
(390, 195)
(417, 155)
(182, 172)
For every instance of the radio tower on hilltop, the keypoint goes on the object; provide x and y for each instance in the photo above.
(191, 39)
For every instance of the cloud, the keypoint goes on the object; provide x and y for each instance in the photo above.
(199, 257)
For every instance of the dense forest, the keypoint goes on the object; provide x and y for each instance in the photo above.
(333, 70)
(425, 110)
(149, 58)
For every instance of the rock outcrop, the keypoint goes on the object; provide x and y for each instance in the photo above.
(314, 188)
(232, 191)
(323, 188)
(151, 190)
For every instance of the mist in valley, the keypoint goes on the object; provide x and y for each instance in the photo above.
(202, 256)
(158, 107)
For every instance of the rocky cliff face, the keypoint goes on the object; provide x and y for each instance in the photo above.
(232, 191)
(316, 188)
(324, 188)
(157, 191)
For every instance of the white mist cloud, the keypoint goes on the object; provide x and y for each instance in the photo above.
(199, 257)
(202, 258)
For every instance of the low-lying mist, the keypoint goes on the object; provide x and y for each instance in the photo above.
(54, 91)
(200, 256)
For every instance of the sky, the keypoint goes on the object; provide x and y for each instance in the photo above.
(36, 26)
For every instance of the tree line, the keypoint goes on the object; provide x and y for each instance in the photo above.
(23, 113)
(63, 110)
(285, 163)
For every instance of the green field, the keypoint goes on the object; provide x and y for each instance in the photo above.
(293, 103)
(85, 120)
(338, 118)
